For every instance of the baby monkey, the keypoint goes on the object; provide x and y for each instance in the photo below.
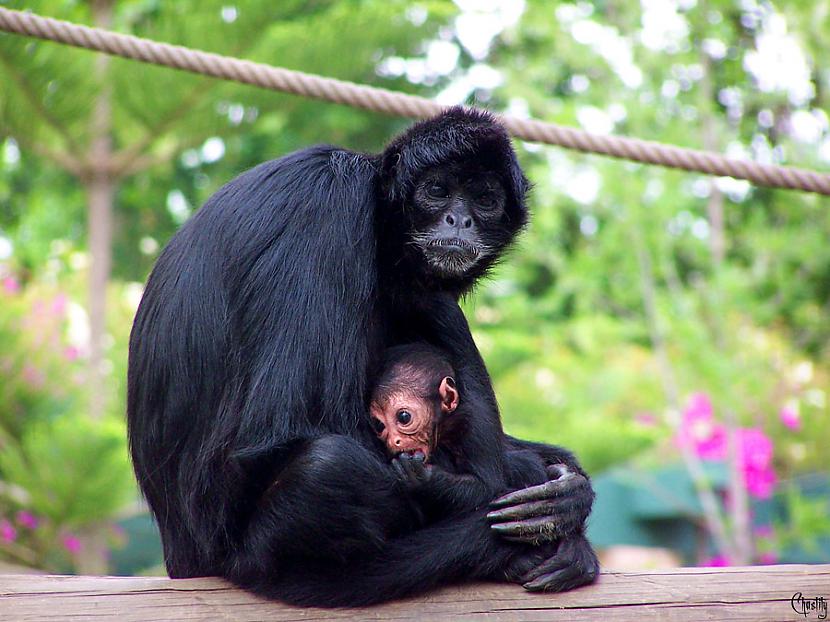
(417, 411)
(413, 397)
(441, 454)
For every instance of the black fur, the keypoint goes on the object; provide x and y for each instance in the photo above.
(249, 359)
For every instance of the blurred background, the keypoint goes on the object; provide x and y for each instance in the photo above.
(671, 328)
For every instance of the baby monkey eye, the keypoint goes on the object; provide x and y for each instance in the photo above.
(377, 425)
(404, 417)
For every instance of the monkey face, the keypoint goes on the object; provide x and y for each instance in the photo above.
(405, 425)
(408, 423)
(459, 218)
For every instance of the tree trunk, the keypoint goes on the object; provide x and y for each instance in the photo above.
(100, 188)
(714, 206)
(99, 183)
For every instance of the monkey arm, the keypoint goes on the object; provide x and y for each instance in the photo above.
(549, 454)
(439, 490)
(457, 492)
(556, 507)
(440, 321)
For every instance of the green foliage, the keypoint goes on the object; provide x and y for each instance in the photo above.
(807, 521)
(40, 382)
(575, 385)
(70, 474)
(72, 471)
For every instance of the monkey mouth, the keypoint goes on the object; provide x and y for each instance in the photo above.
(454, 245)
(451, 257)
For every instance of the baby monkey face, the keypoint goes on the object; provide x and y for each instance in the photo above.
(409, 424)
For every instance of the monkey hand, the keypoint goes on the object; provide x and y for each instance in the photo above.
(555, 568)
(547, 512)
(412, 470)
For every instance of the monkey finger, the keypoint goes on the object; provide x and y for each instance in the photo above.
(410, 469)
(522, 511)
(568, 509)
(555, 471)
(559, 581)
(568, 481)
(562, 516)
(536, 493)
(523, 495)
(416, 472)
(532, 529)
(570, 518)
(549, 566)
(399, 470)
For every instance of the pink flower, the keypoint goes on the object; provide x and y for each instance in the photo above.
(790, 417)
(768, 557)
(710, 441)
(764, 532)
(11, 285)
(755, 448)
(59, 304)
(699, 407)
(71, 353)
(717, 561)
(71, 543)
(760, 483)
(27, 519)
(7, 531)
(755, 461)
(699, 430)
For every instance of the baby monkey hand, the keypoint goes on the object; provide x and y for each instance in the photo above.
(412, 469)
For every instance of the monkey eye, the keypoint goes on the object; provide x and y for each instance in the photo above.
(377, 425)
(404, 417)
(486, 200)
(438, 191)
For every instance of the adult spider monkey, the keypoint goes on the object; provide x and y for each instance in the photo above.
(250, 359)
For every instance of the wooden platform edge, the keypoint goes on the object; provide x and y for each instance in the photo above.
(753, 594)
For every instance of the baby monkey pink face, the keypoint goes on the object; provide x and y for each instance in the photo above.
(408, 423)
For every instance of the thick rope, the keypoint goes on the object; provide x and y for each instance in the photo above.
(400, 104)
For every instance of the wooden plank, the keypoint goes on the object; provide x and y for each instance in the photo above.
(751, 594)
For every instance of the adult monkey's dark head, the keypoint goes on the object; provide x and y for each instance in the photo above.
(456, 195)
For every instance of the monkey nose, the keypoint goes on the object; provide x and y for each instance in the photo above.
(459, 221)
(397, 442)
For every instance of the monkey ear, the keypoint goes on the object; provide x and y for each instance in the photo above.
(394, 179)
(449, 395)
